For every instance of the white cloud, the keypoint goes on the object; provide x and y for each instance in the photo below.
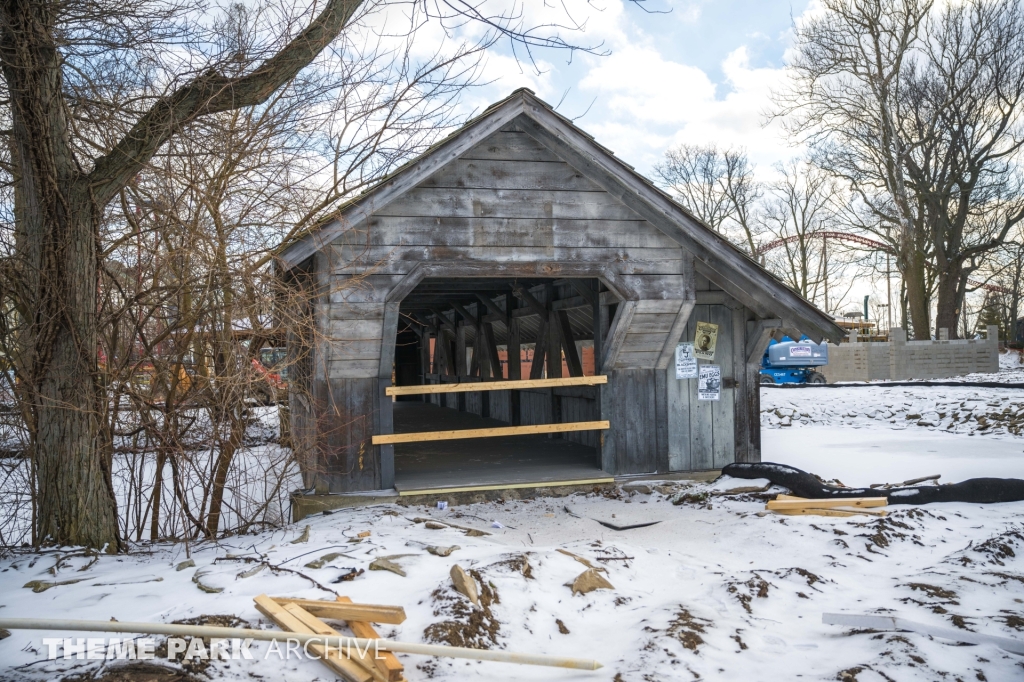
(653, 103)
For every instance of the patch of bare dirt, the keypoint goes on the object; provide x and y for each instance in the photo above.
(1001, 547)
(746, 591)
(688, 629)
(1013, 620)
(464, 624)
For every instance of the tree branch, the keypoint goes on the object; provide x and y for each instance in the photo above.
(211, 93)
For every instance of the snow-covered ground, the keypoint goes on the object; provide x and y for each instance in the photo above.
(713, 591)
(956, 409)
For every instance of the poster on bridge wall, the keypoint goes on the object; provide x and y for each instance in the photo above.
(709, 382)
(686, 362)
(705, 340)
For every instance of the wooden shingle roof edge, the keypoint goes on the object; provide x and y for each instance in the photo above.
(716, 257)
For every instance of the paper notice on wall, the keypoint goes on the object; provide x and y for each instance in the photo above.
(709, 383)
(686, 362)
(704, 340)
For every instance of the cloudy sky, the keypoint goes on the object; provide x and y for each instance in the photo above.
(698, 71)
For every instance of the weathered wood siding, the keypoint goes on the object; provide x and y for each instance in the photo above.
(709, 434)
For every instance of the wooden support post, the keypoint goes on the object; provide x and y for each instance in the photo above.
(539, 346)
(759, 333)
(572, 355)
(425, 358)
(554, 357)
(460, 350)
(435, 368)
(492, 351)
(515, 367)
(617, 333)
(599, 313)
(554, 350)
(514, 352)
(446, 357)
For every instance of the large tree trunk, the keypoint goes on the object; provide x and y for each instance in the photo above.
(56, 254)
(950, 300)
(917, 293)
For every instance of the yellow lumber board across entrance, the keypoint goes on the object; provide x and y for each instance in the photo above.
(505, 486)
(421, 436)
(496, 385)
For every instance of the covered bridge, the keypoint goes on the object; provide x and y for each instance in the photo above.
(518, 249)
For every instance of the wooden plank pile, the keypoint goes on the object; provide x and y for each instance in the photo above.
(850, 506)
(303, 616)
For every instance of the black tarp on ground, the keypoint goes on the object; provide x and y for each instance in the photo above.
(803, 484)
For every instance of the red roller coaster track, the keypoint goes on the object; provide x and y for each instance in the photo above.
(861, 241)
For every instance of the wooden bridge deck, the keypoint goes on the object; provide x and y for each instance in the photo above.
(482, 462)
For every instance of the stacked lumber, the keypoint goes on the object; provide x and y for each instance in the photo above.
(303, 616)
(850, 506)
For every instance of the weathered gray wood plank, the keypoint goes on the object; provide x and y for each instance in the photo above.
(723, 414)
(702, 453)
(678, 417)
(353, 369)
(506, 174)
(670, 306)
(643, 343)
(510, 146)
(355, 350)
(652, 323)
(740, 403)
(473, 231)
(356, 330)
(489, 203)
(638, 359)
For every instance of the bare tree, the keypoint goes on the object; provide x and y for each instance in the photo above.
(717, 186)
(1007, 269)
(917, 110)
(94, 92)
(799, 206)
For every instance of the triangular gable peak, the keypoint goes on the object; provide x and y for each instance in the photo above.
(518, 182)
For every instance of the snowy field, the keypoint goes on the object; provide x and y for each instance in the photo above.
(957, 409)
(714, 591)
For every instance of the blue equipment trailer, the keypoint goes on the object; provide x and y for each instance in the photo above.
(793, 362)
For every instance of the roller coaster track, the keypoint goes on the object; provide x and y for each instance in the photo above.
(861, 241)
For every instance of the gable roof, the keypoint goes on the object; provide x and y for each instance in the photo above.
(714, 256)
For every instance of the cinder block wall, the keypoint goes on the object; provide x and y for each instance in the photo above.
(900, 359)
